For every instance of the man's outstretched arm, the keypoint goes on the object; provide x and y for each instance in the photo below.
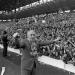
(44, 43)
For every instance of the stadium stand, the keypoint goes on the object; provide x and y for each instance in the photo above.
(48, 26)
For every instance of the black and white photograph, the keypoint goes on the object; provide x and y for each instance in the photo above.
(37, 37)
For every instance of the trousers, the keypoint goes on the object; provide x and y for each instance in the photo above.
(5, 49)
(29, 72)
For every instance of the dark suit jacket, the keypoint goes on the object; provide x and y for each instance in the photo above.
(4, 40)
(27, 60)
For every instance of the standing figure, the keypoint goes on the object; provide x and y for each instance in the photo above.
(29, 47)
(5, 43)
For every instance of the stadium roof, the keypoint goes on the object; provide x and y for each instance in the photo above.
(48, 7)
(11, 4)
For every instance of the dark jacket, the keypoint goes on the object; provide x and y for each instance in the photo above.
(27, 60)
(5, 39)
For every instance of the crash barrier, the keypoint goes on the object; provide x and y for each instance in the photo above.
(48, 61)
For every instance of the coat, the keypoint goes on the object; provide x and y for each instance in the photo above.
(27, 60)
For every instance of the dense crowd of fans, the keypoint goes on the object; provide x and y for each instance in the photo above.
(49, 27)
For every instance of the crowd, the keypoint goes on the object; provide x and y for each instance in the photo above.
(48, 27)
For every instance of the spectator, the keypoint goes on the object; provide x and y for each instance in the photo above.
(5, 43)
